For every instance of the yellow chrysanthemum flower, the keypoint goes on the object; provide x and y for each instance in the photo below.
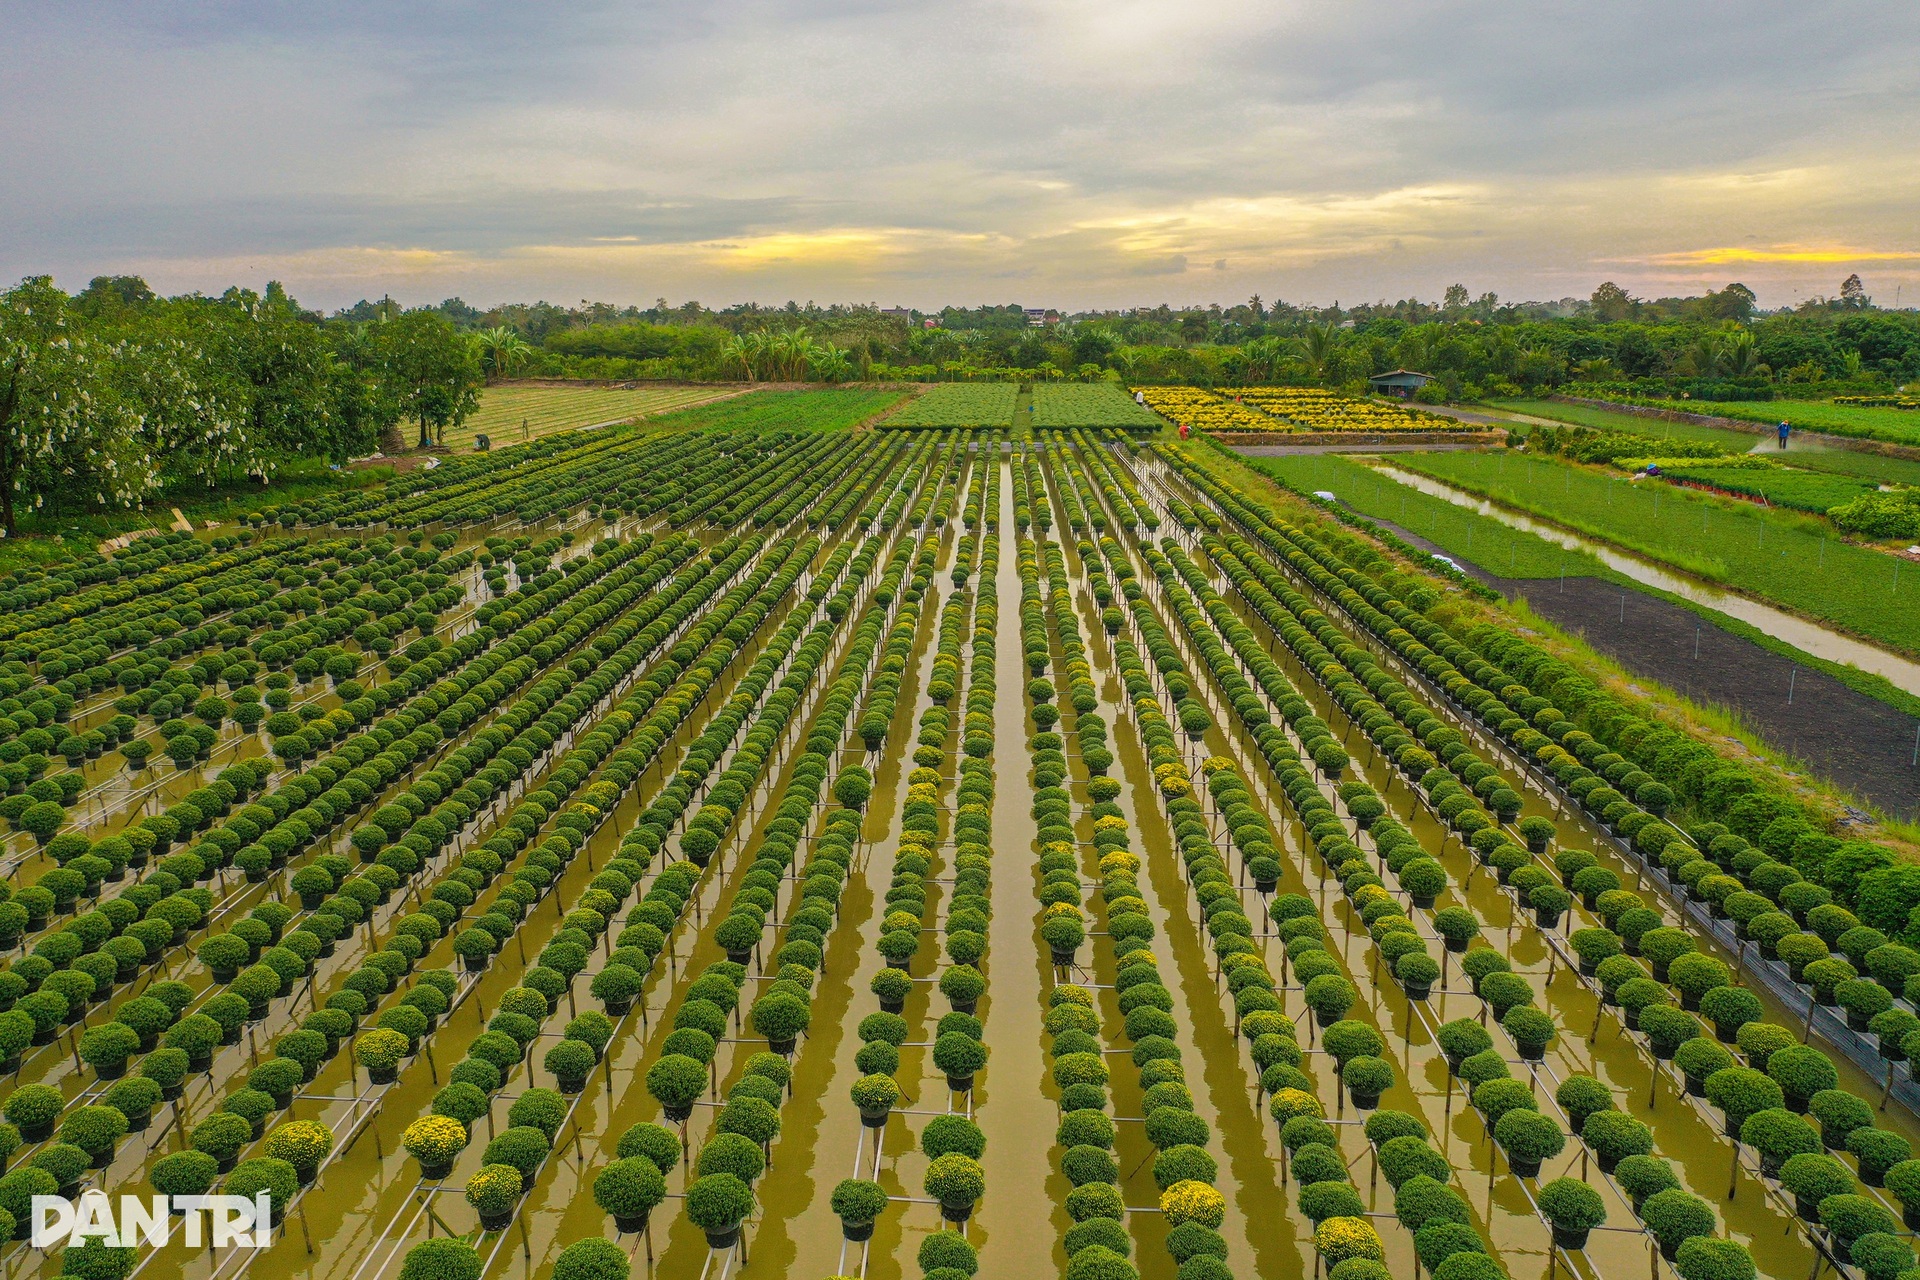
(1193, 1201)
(1338, 1239)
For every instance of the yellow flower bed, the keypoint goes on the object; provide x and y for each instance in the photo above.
(1193, 1201)
(1338, 1239)
(1312, 409)
(1204, 411)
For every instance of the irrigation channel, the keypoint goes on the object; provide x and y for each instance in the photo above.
(994, 819)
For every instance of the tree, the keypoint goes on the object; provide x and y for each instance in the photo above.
(1853, 293)
(1735, 302)
(48, 375)
(1610, 302)
(1456, 299)
(501, 350)
(429, 370)
(1317, 348)
(283, 356)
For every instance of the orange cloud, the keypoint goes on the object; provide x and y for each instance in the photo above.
(1727, 255)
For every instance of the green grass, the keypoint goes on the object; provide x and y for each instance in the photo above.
(1801, 490)
(827, 409)
(1788, 560)
(509, 414)
(1845, 462)
(960, 404)
(1900, 426)
(1608, 420)
(1514, 553)
(1100, 404)
(1486, 542)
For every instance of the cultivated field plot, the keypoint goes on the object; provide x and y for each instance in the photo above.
(1203, 411)
(1092, 406)
(774, 851)
(959, 404)
(1898, 426)
(511, 414)
(1314, 409)
(1773, 556)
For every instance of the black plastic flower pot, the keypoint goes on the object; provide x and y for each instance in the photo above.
(102, 1158)
(876, 1119)
(223, 974)
(496, 1221)
(1696, 1086)
(724, 1238)
(1546, 919)
(1859, 1021)
(1064, 957)
(436, 1172)
(570, 1084)
(960, 1084)
(1424, 901)
(1523, 1168)
(1458, 945)
(617, 1008)
(956, 1212)
(1574, 1238)
(110, 1070)
(1417, 990)
(200, 1060)
(633, 1223)
(1265, 886)
(31, 1133)
(740, 957)
(965, 1006)
(1809, 1210)
(892, 1006)
(856, 1231)
(1364, 1101)
(1529, 1051)
(783, 1047)
(1608, 1161)
(677, 1113)
(383, 1075)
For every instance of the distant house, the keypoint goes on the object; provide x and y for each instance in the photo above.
(1038, 317)
(1401, 383)
(897, 313)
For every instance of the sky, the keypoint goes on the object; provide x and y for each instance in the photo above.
(1048, 153)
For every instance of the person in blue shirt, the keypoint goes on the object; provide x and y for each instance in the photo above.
(1784, 429)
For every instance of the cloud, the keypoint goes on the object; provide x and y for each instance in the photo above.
(1070, 154)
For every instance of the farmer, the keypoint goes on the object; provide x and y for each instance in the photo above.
(1183, 431)
(1784, 429)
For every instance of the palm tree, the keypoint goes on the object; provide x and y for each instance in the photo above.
(501, 350)
(828, 363)
(1263, 355)
(1317, 346)
(735, 353)
(1739, 357)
